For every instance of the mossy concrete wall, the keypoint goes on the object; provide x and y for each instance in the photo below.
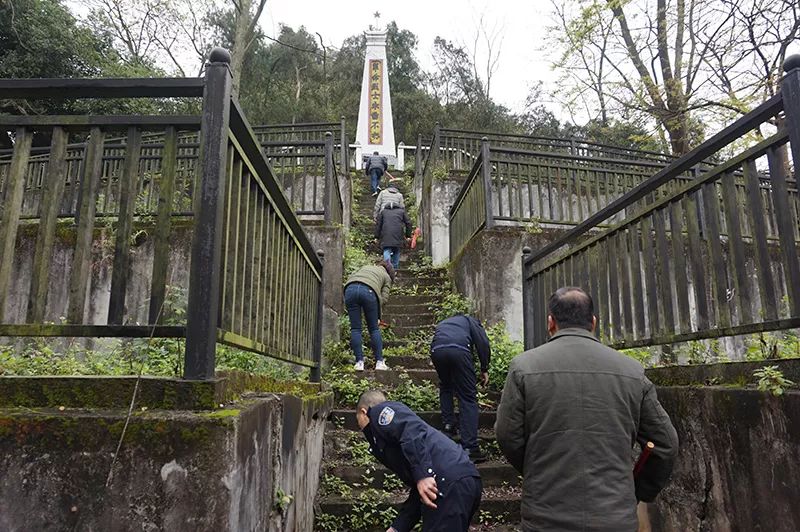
(141, 270)
(177, 470)
(739, 461)
(443, 194)
(331, 240)
(489, 272)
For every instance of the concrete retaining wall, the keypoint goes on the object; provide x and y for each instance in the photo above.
(329, 239)
(739, 461)
(489, 271)
(215, 471)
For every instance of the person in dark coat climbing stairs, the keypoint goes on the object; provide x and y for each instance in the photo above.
(392, 230)
(445, 487)
(451, 353)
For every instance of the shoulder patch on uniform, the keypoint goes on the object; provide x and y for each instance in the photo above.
(386, 416)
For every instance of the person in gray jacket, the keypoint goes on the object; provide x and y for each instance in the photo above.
(569, 414)
(376, 166)
(387, 197)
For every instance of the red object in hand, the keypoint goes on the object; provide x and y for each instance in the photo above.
(648, 448)
(414, 237)
(382, 324)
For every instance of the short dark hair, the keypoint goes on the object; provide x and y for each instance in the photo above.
(571, 306)
(375, 153)
(369, 399)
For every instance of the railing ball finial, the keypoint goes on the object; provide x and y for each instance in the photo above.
(791, 62)
(527, 250)
(219, 55)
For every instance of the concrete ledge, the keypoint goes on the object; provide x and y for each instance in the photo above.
(111, 392)
(176, 470)
(736, 373)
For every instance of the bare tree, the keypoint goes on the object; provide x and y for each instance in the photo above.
(246, 16)
(157, 32)
(684, 63)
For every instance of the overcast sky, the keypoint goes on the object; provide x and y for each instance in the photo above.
(523, 61)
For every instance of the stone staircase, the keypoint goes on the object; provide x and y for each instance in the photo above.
(357, 493)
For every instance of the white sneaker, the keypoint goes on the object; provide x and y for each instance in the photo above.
(359, 366)
(381, 365)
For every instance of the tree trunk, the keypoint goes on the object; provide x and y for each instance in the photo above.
(240, 38)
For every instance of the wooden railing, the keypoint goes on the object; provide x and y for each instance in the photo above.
(537, 179)
(528, 187)
(308, 172)
(708, 257)
(299, 163)
(287, 134)
(254, 282)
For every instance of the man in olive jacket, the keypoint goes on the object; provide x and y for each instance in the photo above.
(570, 412)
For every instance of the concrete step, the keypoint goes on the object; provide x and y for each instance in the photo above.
(412, 302)
(400, 331)
(493, 474)
(421, 319)
(393, 378)
(346, 419)
(410, 362)
(499, 506)
(419, 280)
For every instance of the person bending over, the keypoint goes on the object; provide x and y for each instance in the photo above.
(445, 487)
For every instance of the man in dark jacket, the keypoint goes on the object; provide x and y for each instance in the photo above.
(376, 166)
(391, 230)
(570, 412)
(451, 353)
(445, 487)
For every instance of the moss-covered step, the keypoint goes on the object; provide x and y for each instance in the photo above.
(346, 419)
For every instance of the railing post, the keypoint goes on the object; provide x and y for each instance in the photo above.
(790, 90)
(528, 301)
(345, 161)
(418, 158)
(401, 156)
(204, 277)
(486, 175)
(358, 155)
(790, 94)
(317, 354)
(437, 138)
(329, 197)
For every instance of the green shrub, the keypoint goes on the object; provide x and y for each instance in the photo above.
(771, 379)
(417, 397)
(504, 349)
(451, 304)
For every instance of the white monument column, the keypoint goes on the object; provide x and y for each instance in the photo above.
(375, 130)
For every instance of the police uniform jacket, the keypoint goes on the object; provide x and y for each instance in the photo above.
(462, 332)
(570, 412)
(413, 450)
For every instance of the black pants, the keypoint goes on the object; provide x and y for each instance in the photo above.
(454, 510)
(456, 372)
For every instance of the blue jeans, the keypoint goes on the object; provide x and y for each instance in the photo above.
(392, 254)
(456, 372)
(375, 178)
(357, 298)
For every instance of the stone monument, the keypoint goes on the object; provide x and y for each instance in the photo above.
(375, 130)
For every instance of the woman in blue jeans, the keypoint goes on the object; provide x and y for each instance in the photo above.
(365, 291)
